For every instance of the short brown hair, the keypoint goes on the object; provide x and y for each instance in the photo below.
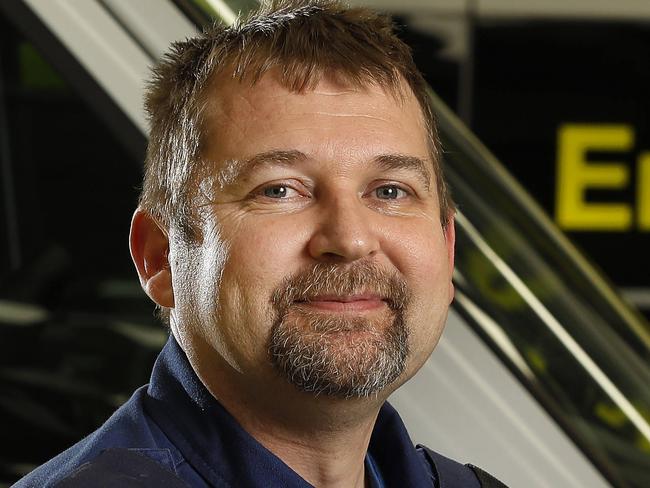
(304, 41)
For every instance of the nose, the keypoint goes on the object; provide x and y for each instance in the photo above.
(344, 232)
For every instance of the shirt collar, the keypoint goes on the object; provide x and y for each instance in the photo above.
(212, 441)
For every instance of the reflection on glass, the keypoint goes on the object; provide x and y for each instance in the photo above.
(567, 341)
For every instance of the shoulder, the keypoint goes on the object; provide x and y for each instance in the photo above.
(452, 474)
(129, 427)
(123, 468)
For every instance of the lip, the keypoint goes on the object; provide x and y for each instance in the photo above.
(349, 303)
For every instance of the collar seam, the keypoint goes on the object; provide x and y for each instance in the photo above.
(190, 455)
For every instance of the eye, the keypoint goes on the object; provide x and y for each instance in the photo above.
(279, 192)
(390, 192)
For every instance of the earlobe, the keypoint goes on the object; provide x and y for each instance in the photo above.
(149, 246)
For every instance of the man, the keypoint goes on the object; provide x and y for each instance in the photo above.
(296, 232)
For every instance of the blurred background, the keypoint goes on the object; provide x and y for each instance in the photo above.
(545, 120)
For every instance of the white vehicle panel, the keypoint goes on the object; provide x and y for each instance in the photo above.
(466, 405)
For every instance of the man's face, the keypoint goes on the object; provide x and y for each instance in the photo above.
(322, 260)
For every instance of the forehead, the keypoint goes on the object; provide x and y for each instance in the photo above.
(324, 122)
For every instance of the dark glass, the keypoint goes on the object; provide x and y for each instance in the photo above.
(547, 313)
(77, 334)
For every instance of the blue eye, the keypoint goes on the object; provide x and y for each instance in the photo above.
(277, 191)
(389, 192)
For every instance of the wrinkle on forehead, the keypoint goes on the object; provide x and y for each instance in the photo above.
(365, 116)
(231, 95)
(333, 93)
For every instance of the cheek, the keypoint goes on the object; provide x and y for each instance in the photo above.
(423, 260)
(263, 252)
(420, 253)
(260, 256)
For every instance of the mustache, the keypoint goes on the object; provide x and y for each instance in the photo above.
(358, 278)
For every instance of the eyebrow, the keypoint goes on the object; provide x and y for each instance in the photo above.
(234, 169)
(410, 163)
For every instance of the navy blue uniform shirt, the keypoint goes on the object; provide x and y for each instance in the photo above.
(180, 427)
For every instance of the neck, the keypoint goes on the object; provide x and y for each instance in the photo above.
(323, 439)
(324, 450)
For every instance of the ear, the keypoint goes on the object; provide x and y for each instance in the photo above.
(149, 246)
(450, 242)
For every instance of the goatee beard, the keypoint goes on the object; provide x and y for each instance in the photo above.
(338, 355)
